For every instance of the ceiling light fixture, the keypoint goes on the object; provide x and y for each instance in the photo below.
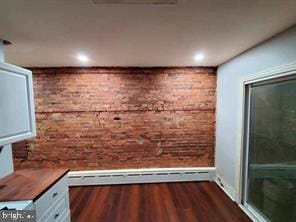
(82, 58)
(199, 57)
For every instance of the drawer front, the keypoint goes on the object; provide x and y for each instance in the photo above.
(57, 211)
(66, 217)
(43, 204)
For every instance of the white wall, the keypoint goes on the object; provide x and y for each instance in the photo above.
(278, 51)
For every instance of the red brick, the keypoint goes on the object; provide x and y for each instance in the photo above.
(107, 118)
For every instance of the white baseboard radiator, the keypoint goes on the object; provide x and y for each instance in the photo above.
(132, 176)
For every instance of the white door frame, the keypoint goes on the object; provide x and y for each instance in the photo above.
(277, 72)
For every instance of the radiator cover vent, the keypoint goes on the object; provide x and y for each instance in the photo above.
(135, 176)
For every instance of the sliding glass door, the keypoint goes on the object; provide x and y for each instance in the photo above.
(270, 149)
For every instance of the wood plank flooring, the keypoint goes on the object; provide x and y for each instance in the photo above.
(165, 202)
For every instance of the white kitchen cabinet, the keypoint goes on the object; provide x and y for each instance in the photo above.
(44, 190)
(54, 204)
(17, 114)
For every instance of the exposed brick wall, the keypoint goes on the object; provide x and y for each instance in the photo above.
(107, 118)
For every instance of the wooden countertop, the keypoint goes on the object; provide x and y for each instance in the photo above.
(29, 184)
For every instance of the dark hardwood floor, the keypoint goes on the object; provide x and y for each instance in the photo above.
(165, 202)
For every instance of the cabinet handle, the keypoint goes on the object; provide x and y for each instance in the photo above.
(55, 194)
(56, 216)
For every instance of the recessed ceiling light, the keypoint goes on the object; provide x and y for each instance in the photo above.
(199, 57)
(82, 58)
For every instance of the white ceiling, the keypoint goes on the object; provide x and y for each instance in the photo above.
(52, 32)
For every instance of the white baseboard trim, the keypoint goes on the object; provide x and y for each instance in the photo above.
(229, 190)
(132, 176)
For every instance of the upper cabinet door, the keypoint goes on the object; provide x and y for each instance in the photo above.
(17, 112)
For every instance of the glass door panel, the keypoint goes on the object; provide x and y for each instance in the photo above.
(270, 186)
